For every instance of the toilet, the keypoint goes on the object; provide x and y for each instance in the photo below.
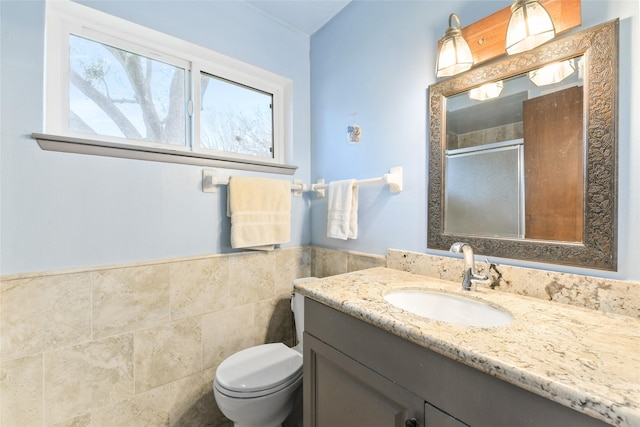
(260, 386)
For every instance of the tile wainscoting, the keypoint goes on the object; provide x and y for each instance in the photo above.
(329, 262)
(138, 344)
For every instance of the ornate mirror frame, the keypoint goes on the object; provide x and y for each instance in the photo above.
(599, 45)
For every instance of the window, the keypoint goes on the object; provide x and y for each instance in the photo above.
(131, 89)
(235, 118)
(118, 93)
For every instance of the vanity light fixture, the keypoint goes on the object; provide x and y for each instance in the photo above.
(530, 25)
(454, 56)
(487, 91)
(552, 73)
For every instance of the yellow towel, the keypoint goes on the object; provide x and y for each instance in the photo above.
(260, 211)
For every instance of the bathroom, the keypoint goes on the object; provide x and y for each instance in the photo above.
(120, 292)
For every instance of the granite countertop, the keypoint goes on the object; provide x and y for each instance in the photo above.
(580, 358)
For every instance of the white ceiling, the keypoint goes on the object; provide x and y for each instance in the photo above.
(307, 16)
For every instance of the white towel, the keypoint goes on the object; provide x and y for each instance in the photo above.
(260, 211)
(342, 215)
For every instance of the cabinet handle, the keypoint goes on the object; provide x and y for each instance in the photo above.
(411, 423)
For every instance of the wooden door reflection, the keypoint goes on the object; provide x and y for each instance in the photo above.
(553, 163)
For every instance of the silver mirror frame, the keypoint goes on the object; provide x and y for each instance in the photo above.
(598, 250)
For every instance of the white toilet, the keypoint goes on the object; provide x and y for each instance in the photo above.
(260, 386)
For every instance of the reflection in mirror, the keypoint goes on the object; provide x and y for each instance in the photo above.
(523, 154)
(514, 154)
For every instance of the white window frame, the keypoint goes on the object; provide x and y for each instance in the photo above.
(66, 17)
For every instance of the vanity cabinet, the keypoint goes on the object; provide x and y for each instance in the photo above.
(346, 393)
(356, 374)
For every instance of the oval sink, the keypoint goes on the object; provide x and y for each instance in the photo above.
(449, 308)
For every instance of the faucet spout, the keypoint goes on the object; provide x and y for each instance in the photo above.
(469, 273)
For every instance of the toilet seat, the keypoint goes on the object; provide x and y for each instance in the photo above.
(258, 371)
(256, 394)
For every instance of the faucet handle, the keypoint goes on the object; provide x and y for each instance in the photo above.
(487, 271)
(487, 267)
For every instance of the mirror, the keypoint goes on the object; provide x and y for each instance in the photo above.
(525, 167)
(513, 185)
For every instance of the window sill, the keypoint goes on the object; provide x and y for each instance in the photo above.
(110, 149)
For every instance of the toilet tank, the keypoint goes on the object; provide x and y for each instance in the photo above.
(297, 306)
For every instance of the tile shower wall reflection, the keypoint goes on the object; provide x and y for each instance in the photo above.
(137, 345)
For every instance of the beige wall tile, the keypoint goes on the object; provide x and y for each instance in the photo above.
(199, 286)
(193, 402)
(167, 353)
(251, 277)
(148, 409)
(21, 392)
(78, 382)
(83, 377)
(226, 332)
(129, 299)
(291, 264)
(80, 421)
(328, 262)
(273, 321)
(44, 313)
(356, 261)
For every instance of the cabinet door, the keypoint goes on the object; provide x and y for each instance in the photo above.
(340, 392)
(434, 417)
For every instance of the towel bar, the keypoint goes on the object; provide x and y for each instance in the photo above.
(210, 180)
(393, 179)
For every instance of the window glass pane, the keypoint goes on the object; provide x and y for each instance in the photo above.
(235, 118)
(118, 93)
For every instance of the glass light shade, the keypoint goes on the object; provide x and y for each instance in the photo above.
(487, 91)
(454, 56)
(530, 25)
(552, 73)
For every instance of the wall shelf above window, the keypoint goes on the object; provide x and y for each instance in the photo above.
(128, 151)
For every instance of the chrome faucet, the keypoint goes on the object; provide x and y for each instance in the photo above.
(469, 265)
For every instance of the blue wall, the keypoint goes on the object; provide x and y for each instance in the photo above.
(378, 59)
(61, 210)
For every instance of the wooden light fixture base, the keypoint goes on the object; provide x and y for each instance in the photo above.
(486, 37)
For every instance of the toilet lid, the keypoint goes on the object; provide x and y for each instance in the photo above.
(259, 368)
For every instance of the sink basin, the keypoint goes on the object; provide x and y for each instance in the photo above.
(451, 309)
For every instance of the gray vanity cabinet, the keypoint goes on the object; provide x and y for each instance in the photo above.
(346, 393)
(358, 375)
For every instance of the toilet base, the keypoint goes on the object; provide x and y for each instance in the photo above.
(267, 411)
(256, 425)
(293, 420)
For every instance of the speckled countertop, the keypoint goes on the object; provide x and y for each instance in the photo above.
(580, 358)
